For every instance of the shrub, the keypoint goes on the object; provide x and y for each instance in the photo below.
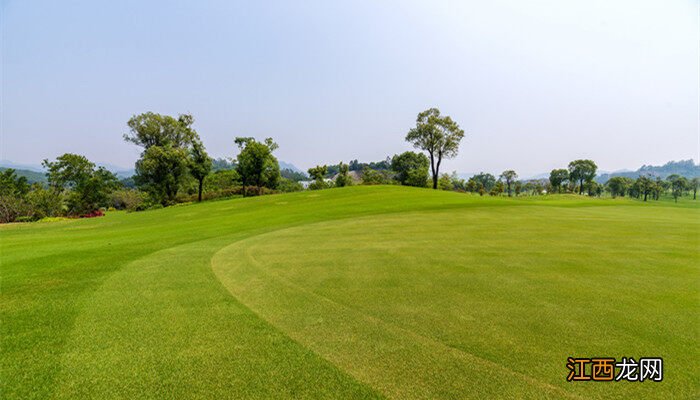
(45, 203)
(127, 199)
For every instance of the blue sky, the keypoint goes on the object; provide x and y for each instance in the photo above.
(534, 84)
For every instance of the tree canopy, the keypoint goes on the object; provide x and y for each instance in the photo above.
(411, 168)
(582, 171)
(255, 163)
(439, 135)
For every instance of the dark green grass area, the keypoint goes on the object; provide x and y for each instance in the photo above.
(351, 293)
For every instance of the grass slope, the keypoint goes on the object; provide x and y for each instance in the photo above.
(351, 293)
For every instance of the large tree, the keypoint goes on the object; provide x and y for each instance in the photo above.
(166, 143)
(509, 177)
(411, 168)
(88, 187)
(438, 135)
(200, 165)
(618, 185)
(255, 163)
(582, 171)
(557, 177)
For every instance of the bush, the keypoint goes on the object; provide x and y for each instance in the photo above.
(45, 203)
(127, 199)
(11, 208)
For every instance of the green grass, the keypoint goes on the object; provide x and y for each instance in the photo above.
(363, 292)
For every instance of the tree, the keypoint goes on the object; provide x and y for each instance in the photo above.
(678, 185)
(445, 182)
(200, 165)
(618, 185)
(509, 177)
(643, 186)
(318, 175)
(582, 171)
(13, 185)
(439, 136)
(487, 181)
(411, 168)
(343, 179)
(557, 177)
(166, 143)
(255, 163)
(694, 183)
(88, 187)
(497, 189)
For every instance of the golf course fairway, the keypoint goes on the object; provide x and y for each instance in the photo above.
(359, 292)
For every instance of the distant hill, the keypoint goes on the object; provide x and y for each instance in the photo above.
(32, 176)
(686, 168)
(286, 165)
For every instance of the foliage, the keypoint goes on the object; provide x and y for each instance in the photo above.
(318, 175)
(679, 184)
(256, 165)
(619, 185)
(557, 177)
(127, 199)
(411, 168)
(482, 180)
(13, 185)
(375, 177)
(582, 171)
(200, 165)
(438, 135)
(509, 177)
(445, 182)
(88, 187)
(166, 143)
(343, 179)
(287, 185)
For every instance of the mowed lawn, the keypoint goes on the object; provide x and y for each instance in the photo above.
(362, 292)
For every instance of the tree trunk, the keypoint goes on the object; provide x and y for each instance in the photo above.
(580, 187)
(437, 171)
(199, 195)
(432, 169)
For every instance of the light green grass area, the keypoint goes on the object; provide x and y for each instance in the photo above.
(362, 292)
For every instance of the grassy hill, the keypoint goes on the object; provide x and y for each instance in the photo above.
(360, 292)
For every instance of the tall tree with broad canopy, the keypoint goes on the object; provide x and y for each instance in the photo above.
(200, 165)
(88, 187)
(411, 168)
(582, 171)
(166, 143)
(509, 176)
(255, 163)
(557, 177)
(439, 136)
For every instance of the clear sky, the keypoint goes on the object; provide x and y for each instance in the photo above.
(534, 84)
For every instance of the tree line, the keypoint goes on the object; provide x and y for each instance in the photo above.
(174, 167)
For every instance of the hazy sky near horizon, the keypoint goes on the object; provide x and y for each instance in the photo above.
(534, 84)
